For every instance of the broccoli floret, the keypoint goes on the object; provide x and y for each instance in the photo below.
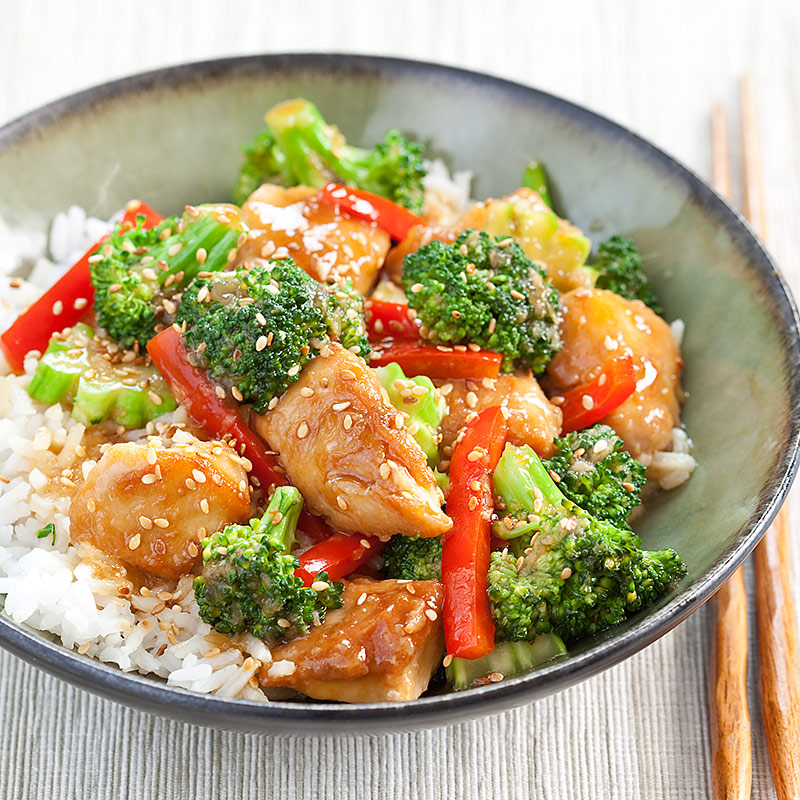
(255, 328)
(425, 410)
(620, 269)
(248, 581)
(488, 292)
(74, 369)
(598, 474)
(137, 272)
(534, 177)
(299, 147)
(569, 573)
(413, 559)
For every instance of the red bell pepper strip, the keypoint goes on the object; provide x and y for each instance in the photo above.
(393, 218)
(339, 555)
(219, 418)
(390, 319)
(437, 361)
(63, 304)
(468, 624)
(592, 401)
(194, 390)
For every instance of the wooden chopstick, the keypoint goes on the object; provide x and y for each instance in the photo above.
(779, 654)
(731, 757)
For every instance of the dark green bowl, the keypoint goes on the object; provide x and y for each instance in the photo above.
(172, 136)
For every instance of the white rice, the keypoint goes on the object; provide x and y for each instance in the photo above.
(60, 588)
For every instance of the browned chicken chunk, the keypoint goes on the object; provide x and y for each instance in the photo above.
(598, 325)
(328, 246)
(150, 507)
(532, 418)
(383, 645)
(346, 449)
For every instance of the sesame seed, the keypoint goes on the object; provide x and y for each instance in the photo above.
(410, 588)
(169, 306)
(232, 254)
(517, 295)
(134, 541)
(320, 586)
(161, 522)
(342, 503)
(236, 393)
(190, 484)
(219, 392)
(448, 660)
(272, 403)
(557, 400)
(148, 478)
(348, 422)
(202, 294)
(602, 379)
(201, 255)
(565, 573)
(175, 249)
(292, 371)
(154, 398)
(193, 549)
(204, 505)
(261, 343)
(416, 288)
(364, 543)
(431, 614)
(629, 487)
(91, 504)
(307, 391)
(362, 597)
(260, 318)
(555, 476)
(471, 399)
(268, 249)
(587, 402)
(58, 307)
(385, 470)
(284, 623)
(80, 303)
(473, 503)
(455, 314)
(348, 374)
(151, 456)
(399, 420)
(341, 406)
(199, 476)
(445, 389)
(475, 454)
(302, 430)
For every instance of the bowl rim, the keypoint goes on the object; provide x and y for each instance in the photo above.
(150, 694)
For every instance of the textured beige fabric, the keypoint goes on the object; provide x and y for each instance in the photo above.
(637, 731)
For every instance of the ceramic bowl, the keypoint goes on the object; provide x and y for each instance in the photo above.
(173, 136)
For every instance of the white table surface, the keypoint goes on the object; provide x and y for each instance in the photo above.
(636, 731)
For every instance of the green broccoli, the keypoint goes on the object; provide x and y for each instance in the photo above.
(568, 573)
(254, 328)
(137, 272)
(534, 177)
(598, 474)
(299, 147)
(413, 559)
(75, 369)
(426, 409)
(620, 269)
(248, 581)
(488, 292)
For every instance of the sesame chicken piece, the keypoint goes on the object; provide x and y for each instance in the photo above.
(150, 507)
(532, 418)
(598, 325)
(328, 246)
(346, 449)
(383, 645)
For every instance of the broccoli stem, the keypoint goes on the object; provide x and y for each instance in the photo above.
(425, 412)
(521, 475)
(535, 177)
(280, 519)
(64, 372)
(507, 659)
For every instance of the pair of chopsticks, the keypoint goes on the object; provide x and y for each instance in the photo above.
(779, 660)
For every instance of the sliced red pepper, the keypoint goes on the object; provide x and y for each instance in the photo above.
(468, 624)
(63, 304)
(437, 361)
(194, 390)
(393, 218)
(592, 401)
(390, 319)
(339, 555)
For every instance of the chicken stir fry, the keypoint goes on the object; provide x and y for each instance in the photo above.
(380, 481)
